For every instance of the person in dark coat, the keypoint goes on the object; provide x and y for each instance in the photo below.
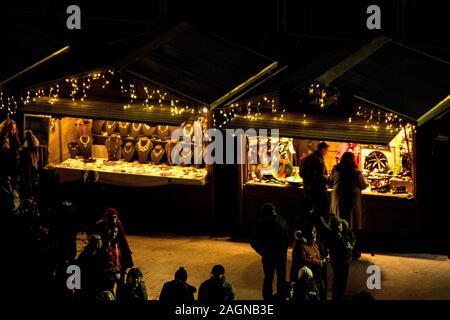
(178, 290)
(90, 262)
(342, 243)
(315, 177)
(92, 201)
(306, 253)
(346, 201)
(27, 167)
(270, 240)
(305, 288)
(216, 289)
(134, 289)
(9, 145)
(285, 294)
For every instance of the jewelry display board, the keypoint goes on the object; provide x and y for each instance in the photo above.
(126, 153)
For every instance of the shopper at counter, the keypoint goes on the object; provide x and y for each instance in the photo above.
(348, 182)
(315, 176)
(270, 241)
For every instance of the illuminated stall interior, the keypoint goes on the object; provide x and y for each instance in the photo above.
(113, 109)
(354, 99)
(387, 168)
(125, 152)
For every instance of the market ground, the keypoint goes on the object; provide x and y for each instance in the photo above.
(404, 276)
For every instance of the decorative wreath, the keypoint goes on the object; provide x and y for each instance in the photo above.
(376, 160)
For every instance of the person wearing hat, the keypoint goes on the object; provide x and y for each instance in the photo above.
(342, 241)
(315, 177)
(216, 289)
(270, 240)
(178, 290)
(305, 288)
(90, 262)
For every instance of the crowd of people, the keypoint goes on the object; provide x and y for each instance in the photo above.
(325, 236)
(41, 236)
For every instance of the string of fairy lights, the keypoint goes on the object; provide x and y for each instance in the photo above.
(377, 119)
(140, 95)
(370, 117)
(251, 110)
(148, 97)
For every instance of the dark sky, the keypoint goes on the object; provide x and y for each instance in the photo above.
(272, 27)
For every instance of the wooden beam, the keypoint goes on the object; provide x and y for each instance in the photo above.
(34, 65)
(435, 111)
(267, 70)
(352, 60)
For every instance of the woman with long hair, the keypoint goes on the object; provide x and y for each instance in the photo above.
(348, 182)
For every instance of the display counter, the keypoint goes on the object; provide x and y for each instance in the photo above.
(131, 173)
(383, 212)
(364, 192)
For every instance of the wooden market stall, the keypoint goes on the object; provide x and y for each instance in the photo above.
(374, 102)
(115, 109)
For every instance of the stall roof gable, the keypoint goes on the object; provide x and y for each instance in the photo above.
(384, 73)
(200, 66)
(397, 78)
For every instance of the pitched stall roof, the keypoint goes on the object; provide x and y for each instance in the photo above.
(200, 67)
(399, 79)
(383, 74)
(22, 47)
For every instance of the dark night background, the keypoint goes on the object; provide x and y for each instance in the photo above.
(281, 29)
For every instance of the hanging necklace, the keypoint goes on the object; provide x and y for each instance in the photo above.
(143, 148)
(128, 147)
(160, 129)
(73, 146)
(85, 144)
(157, 153)
(110, 125)
(116, 146)
(124, 125)
(138, 129)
